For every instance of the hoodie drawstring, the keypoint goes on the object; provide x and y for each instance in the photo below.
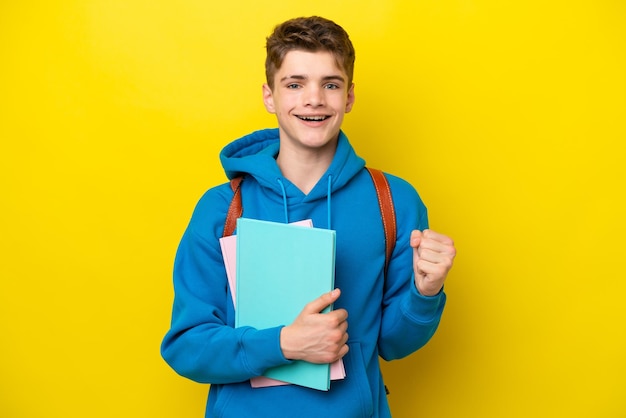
(328, 200)
(282, 187)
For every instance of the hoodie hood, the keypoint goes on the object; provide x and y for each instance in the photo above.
(255, 155)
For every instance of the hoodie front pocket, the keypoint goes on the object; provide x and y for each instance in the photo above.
(350, 397)
(357, 384)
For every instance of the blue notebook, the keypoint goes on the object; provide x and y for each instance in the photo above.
(281, 268)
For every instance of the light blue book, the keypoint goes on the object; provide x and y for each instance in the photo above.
(281, 268)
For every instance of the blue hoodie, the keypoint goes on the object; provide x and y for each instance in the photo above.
(387, 316)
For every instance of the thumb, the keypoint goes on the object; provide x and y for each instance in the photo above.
(416, 238)
(319, 304)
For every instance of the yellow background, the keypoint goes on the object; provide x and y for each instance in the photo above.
(509, 118)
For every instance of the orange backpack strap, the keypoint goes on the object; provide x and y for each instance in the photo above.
(235, 210)
(387, 211)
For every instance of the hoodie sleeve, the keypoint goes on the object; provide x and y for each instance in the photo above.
(409, 319)
(202, 343)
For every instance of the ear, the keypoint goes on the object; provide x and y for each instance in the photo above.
(350, 101)
(268, 99)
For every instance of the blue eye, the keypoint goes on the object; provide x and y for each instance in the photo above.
(293, 86)
(331, 86)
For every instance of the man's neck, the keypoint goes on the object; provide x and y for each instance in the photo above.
(304, 169)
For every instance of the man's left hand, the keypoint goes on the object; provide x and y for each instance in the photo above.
(433, 255)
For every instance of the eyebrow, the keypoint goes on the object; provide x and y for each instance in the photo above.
(304, 77)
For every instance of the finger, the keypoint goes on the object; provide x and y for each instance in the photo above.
(344, 350)
(416, 237)
(416, 255)
(321, 303)
(436, 255)
(433, 270)
(341, 315)
(436, 236)
(435, 246)
(344, 339)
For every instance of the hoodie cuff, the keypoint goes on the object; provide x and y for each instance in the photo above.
(424, 309)
(262, 349)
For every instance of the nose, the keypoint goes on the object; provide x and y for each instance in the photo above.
(314, 96)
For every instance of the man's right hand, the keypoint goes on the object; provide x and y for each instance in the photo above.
(317, 337)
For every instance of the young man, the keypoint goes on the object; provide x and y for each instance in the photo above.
(307, 169)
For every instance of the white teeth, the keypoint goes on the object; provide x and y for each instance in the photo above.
(313, 118)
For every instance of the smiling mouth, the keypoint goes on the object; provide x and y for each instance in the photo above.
(313, 118)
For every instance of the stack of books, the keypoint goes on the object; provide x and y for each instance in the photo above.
(274, 270)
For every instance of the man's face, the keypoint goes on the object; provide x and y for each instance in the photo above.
(309, 99)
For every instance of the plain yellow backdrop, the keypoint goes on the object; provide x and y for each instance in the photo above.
(508, 117)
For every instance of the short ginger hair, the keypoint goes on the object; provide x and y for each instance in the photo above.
(310, 34)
